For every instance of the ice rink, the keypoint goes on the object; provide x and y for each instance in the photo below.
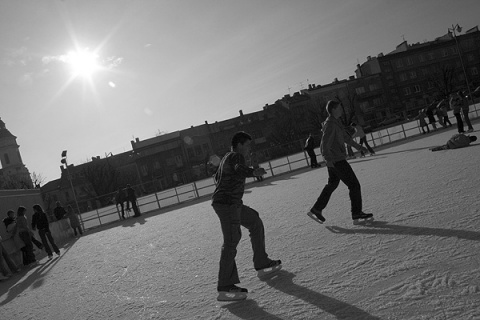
(419, 260)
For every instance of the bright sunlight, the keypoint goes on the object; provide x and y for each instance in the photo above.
(83, 63)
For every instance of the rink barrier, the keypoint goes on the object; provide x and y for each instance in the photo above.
(206, 187)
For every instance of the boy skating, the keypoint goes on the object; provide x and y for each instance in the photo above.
(332, 148)
(228, 205)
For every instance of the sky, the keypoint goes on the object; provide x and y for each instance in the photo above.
(161, 66)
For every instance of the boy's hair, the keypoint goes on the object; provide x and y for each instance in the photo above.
(240, 137)
(332, 105)
(37, 207)
(21, 211)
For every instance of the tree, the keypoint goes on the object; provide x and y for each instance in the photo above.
(37, 179)
(443, 81)
(103, 178)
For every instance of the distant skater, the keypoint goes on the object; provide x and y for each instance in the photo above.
(421, 119)
(456, 105)
(132, 199)
(363, 139)
(333, 151)
(310, 149)
(40, 221)
(228, 205)
(74, 221)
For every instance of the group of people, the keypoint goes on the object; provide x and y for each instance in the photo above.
(21, 232)
(232, 213)
(459, 105)
(60, 213)
(127, 195)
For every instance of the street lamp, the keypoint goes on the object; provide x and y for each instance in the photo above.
(65, 164)
(458, 28)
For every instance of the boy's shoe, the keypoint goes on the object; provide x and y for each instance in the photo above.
(362, 217)
(316, 215)
(272, 267)
(231, 293)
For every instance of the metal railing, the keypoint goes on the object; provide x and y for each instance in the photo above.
(206, 187)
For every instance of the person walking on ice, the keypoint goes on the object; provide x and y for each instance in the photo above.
(228, 205)
(333, 151)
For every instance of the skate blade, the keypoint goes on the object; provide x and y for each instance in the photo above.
(268, 271)
(231, 296)
(362, 221)
(314, 217)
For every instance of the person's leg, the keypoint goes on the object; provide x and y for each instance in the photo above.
(467, 119)
(29, 256)
(2, 267)
(135, 208)
(346, 174)
(229, 216)
(80, 230)
(123, 209)
(459, 123)
(332, 184)
(250, 219)
(364, 139)
(52, 242)
(13, 267)
(37, 243)
(42, 233)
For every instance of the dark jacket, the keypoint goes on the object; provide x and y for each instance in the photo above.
(230, 179)
(40, 221)
(59, 212)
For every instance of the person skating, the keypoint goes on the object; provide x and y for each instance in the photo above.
(40, 222)
(456, 103)
(333, 151)
(363, 138)
(132, 199)
(228, 205)
(310, 149)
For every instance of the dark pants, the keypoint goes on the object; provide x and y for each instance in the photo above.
(341, 171)
(77, 228)
(459, 123)
(446, 120)
(28, 256)
(44, 235)
(136, 212)
(123, 209)
(37, 243)
(231, 218)
(363, 140)
(313, 158)
(11, 265)
(467, 119)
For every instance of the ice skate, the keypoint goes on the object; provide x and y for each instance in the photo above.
(362, 218)
(273, 267)
(316, 215)
(231, 293)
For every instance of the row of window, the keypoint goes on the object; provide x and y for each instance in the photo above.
(371, 87)
(408, 61)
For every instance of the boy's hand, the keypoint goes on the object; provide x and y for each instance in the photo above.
(259, 172)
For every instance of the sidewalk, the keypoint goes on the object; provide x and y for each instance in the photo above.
(419, 261)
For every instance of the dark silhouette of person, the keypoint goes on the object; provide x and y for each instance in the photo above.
(310, 149)
(132, 198)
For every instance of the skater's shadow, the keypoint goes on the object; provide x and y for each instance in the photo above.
(249, 310)
(382, 227)
(283, 281)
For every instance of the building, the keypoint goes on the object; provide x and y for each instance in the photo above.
(13, 173)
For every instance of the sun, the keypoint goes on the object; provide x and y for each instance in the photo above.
(83, 63)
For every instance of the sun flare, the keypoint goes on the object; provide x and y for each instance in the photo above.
(83, 63)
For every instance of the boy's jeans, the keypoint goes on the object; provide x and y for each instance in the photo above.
(231, 218)
(341, 171)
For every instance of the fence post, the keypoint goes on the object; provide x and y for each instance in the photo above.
(176, 193)
(270, 166)
(98, 216)
(196, 190)
(158, 201)
(404, 133)
(289, 166)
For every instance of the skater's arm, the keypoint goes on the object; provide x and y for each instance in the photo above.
(239, 166)
(349, 140)
(328, 140)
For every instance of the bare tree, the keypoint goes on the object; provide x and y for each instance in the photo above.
(37, 179)
(103, 178)
(444, 81)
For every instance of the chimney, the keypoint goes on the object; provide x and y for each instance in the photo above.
(380, 54)
(241, 113)
(359, 68)
(369, 58)
(351, 78)
(206, 122)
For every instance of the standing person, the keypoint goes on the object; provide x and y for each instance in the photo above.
(431, 117)
(132, 198)
(59, 211)
(310, 148)
(363, 139)
(25, 234)
(120, 200)
(74, 221)
(40, 221)
(228, 205)
(465, 110)
(333, 151)
(442, 110)
(10, 223)
(456, 106)
(421, 119)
